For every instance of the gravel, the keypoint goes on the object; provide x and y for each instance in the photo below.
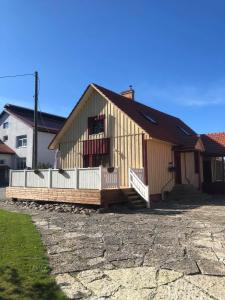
(57, 207)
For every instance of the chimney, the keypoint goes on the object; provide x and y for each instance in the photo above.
(129, 94)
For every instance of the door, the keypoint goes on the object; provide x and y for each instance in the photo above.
(177, 163)
(2, 177)
(207, 171)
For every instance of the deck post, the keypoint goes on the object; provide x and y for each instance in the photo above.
(10, 177)
(76, 178)
(129, 178)
(25, 177)
(100, 177)
(49, 178)
(118, 178)
(149, 200)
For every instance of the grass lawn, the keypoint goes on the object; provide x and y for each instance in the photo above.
(24, 269)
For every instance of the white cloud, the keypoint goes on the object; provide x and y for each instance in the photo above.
(190, 96)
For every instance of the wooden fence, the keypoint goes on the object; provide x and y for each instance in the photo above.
(78, 178)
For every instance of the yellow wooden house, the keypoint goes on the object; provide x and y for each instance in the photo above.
(113, 148)
(114, 130)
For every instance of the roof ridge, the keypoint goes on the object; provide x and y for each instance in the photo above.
(214, 133)
(30, 109)
(138, 102)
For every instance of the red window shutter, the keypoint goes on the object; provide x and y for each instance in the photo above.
(99, 146)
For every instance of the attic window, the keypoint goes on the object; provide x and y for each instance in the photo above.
(184, 130)
(96, 124)
(149, 118)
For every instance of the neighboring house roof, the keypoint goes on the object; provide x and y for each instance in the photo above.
(214, 143)
(4, 149)
(46, 122)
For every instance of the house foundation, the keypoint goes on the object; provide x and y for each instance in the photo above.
(89, 197)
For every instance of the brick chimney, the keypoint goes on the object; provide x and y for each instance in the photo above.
(129, 94)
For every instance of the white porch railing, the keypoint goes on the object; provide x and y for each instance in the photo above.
(136, 182)
(110, 179)
(78, 178)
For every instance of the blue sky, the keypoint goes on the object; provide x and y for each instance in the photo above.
(172, 52)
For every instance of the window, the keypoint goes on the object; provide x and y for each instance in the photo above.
(185, 131)
(96, 160)
(6, 125)
(5, 138)
(2, 162)
(21, 141)
(196, 161)
(149, 118)
(21, 163)
(96, 124)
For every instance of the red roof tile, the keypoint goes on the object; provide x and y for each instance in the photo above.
(214, 143)
(4, 149)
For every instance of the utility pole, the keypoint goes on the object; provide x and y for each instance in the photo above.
(35, 130)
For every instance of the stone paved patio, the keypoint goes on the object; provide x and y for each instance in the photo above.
(175, 252)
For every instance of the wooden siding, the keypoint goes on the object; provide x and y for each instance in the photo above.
(125, 136)
(159, 155)
(87, 197)
(55, 195)
(188, 169)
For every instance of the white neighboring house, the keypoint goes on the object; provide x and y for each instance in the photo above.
(16, 136)
(7, 156)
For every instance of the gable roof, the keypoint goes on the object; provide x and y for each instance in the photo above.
(166, 127)
(46, 122)
(163, 126)
(214, 143)
(4, 149)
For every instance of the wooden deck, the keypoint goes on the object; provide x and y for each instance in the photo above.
(91, 197)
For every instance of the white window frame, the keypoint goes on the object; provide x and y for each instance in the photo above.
(6, 125)
(5, 138)
(23, 140)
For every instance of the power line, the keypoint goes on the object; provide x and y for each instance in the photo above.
(18, 75)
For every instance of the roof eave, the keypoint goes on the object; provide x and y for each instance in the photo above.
(55, 141)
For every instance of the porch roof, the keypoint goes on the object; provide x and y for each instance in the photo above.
(214, 143)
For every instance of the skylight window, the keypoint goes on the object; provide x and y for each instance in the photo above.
(149, 118)
(184, 130)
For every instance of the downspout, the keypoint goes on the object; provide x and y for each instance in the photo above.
(145, 159)
(185, 169)
(145, 166)
(223, 168)
(199, 171)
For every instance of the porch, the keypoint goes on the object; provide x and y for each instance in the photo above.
(94, 186)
